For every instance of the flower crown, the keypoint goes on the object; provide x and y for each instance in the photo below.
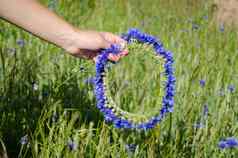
(112, 113)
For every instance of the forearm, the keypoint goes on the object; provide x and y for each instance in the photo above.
(37, 19)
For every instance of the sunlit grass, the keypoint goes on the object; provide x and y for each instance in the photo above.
(43, 94)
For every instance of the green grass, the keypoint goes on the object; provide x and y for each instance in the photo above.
(43, 93)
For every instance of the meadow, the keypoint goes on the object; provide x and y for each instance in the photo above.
(47, 103)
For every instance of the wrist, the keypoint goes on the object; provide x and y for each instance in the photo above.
(68, 41)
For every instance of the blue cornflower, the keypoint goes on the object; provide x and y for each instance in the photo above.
(201, 123)
(24, 140)
(202, 83)
(198, 125)
(205, 110)
(222, 144)
(231, 88)
(45, 93)
(21, 42)
(131, 148)
(222, 28)
(195, 26)
(89, 80)
(229, 142)
(205, 17)
(72, 145)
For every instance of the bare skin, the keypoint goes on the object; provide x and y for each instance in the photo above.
(38, 20)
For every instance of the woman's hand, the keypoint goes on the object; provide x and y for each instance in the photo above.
(86, 44)
(56, 30)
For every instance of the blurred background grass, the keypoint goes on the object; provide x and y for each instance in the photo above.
(47, 108)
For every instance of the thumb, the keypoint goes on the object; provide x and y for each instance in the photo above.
(106, 44)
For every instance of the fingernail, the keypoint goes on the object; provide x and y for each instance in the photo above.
(125, 52)
(111, 57)
(95, 59)
(116, 58)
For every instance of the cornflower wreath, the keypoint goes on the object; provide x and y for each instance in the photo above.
(111, 112)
